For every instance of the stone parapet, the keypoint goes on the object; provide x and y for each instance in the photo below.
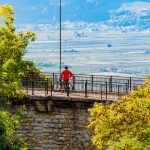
(53, 123)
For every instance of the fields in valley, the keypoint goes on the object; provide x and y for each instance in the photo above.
(87, 51)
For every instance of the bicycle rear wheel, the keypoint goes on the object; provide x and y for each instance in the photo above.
(69, 88)
(57, 87)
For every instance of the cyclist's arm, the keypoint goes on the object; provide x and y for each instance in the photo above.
(70, 74)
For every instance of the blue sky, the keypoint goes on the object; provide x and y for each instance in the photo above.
(44, 11)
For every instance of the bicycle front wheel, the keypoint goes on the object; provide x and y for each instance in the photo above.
(57, 87)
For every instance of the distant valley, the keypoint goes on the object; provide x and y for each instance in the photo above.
(127, 53)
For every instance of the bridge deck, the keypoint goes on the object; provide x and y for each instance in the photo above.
(83, 86)
(80, 95)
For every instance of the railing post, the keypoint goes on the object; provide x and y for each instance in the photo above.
(110, 84)
(101, 91)
(32, 87)
(51, 87)
(130, 83)
(118, 90)
(86, 89)
(92, 83)
(126, 88)
(106, 90)
(74, 81)
(47, 86)
(53, 77)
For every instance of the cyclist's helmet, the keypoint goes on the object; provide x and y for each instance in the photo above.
(66, 67)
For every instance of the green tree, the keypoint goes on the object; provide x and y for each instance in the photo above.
(12, 68)
(8, 123)
(123, 124)
(12, 49)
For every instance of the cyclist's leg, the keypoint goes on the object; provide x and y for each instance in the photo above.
(67, 85)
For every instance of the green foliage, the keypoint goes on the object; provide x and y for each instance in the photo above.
(12, 68)
(12, 49)
(8, 123)
(123, 124)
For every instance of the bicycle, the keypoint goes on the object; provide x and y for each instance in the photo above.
(61, 86)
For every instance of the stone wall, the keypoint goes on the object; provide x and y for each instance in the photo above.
(55, 124)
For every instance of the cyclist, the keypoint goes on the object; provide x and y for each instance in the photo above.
(65, 75)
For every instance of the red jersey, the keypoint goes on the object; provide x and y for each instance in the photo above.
(66, 74)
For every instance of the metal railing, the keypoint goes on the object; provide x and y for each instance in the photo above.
(84, 86)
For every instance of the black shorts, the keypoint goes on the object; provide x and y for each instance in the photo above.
(65, 82)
